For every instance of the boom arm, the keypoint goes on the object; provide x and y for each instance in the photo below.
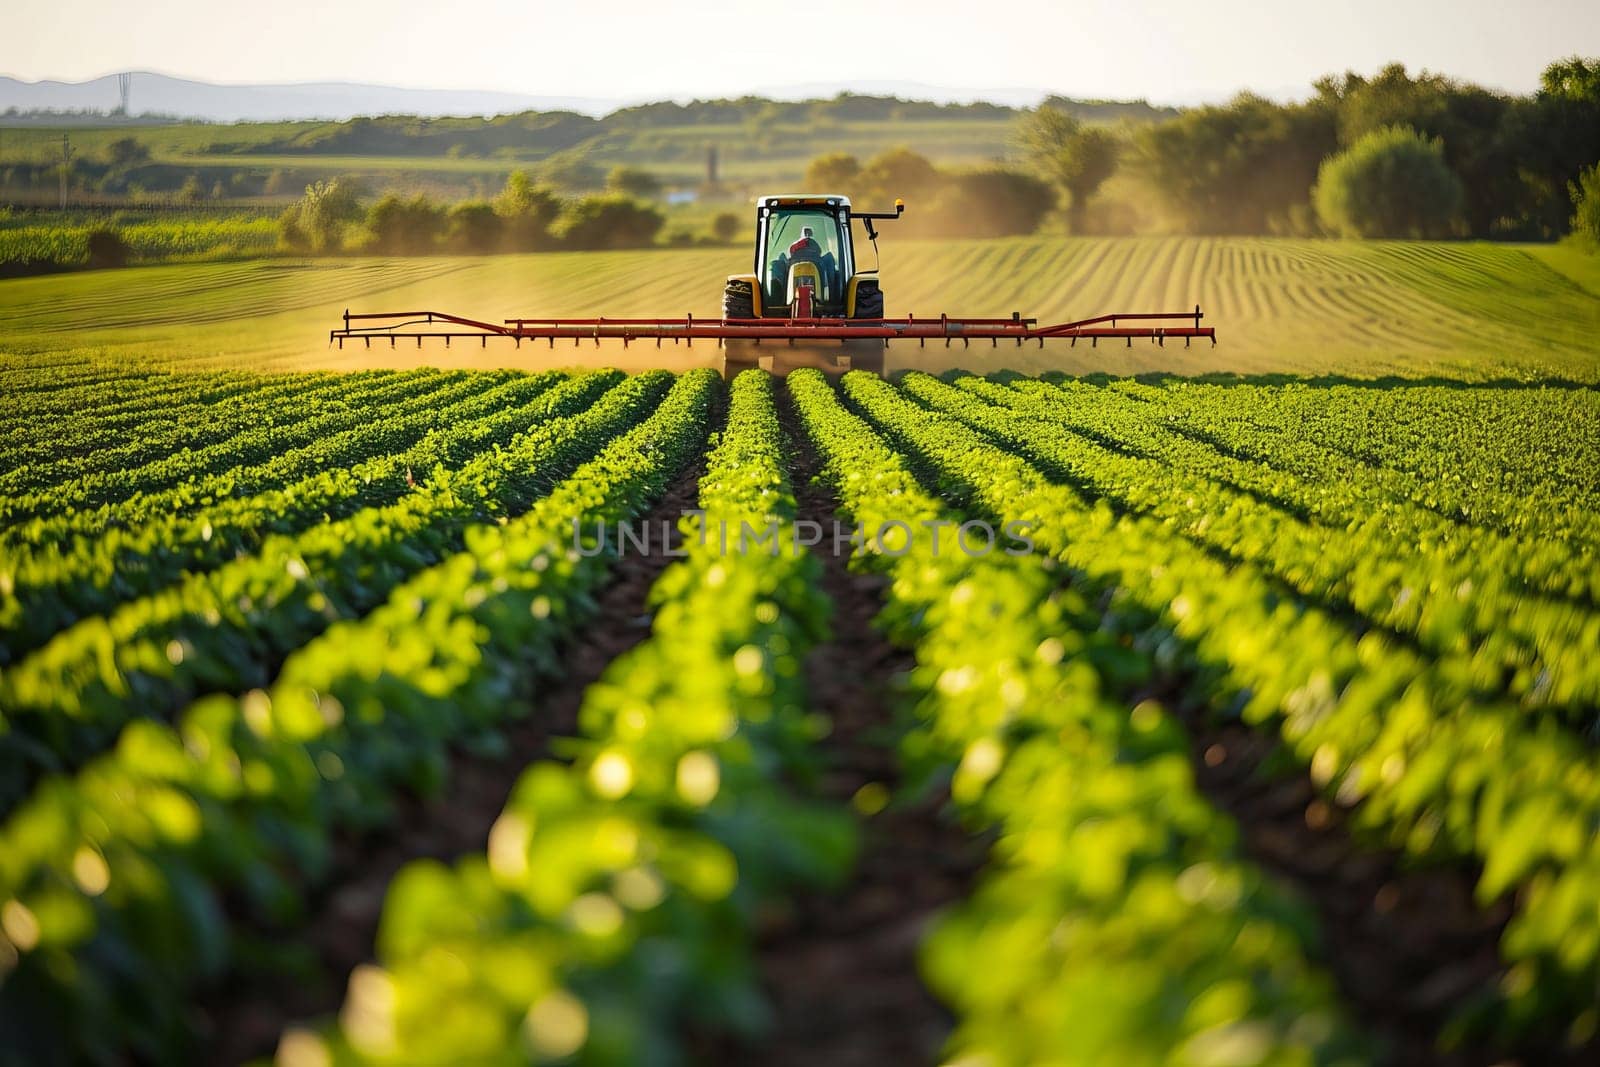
(434, 324)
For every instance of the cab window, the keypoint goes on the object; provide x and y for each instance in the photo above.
(787, 244)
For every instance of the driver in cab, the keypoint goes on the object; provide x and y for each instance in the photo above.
(807, 250)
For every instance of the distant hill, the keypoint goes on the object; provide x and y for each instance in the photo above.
(732, 146)
(158, 94)
(1111, 110)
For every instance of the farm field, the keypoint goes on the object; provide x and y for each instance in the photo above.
(758, 150)
(1465, 310)
(218, 237)
(1145, 705)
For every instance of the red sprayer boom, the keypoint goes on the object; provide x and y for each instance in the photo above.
(437, 325)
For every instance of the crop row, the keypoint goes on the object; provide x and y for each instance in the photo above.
(104, 410)
(152, 239)
(615, 899)
(114, 881)
(43, 590)
(98, 422)
(188, 426)
(109, 389)
(1403, 740)
(1307, 479)
(1516, 440)
(1512, 459)
(74, 439)
(275, 435)
(365, 437)
(34, 375)
(1504, 636)
(79, 446)
(1114, 890)
(226, 630)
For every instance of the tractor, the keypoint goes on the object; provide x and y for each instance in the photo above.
(805, 268)
(805, 265)
(807, 303)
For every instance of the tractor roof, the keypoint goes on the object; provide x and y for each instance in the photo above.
(805, 200)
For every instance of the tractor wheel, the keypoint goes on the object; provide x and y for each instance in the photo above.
(738, 302)
(869, 300)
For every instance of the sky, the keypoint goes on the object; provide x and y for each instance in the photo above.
(1167, 52)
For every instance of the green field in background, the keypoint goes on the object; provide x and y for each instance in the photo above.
(1470, 310)
(747, 152)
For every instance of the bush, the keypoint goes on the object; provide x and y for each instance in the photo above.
(1241, 168)
(635, 182)
(1392, 182)
(127, 152)
(473, 227)
(900, 173)
(318, 220)
(528, 211)
(837, 172)
(725, 227)
(989, 203)
(108, 249)
(397, 227)
(1586, 199)
(571, 170)
(1472, 122)
(610, 221)
(1077, 157)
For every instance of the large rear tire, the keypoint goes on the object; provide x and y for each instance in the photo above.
(738, 301)
(869, 300)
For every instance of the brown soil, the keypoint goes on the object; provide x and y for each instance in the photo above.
(242, 1020)
(1408, 946)
(840, 967)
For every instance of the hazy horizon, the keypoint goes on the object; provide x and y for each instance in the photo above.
(632, 51)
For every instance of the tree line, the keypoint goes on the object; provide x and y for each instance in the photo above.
(1391, 155)
(530, 216)
(335, 216)
(986, 201)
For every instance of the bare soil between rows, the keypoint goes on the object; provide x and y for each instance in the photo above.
(1408, 945)
(840, 967)
(243, 1019)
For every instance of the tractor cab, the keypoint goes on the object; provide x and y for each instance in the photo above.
(804, 246)
(805, 263)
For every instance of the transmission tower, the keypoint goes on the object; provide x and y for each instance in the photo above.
(124, 85)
